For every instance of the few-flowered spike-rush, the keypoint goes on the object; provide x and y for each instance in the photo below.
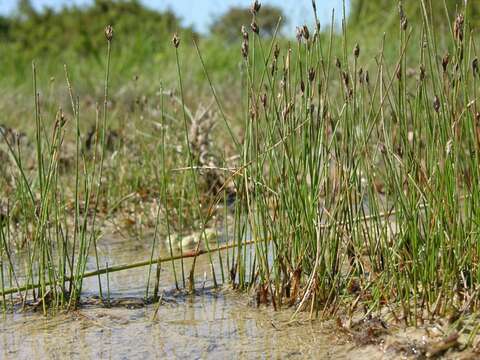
(356, 51)
(436, 104)
(109, 32)
(254, 27)
(176, 40)
(255, 7)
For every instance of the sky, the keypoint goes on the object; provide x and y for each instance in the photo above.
(200, 13)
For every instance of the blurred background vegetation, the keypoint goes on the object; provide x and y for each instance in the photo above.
(76, 32)
(378, 13)
(142, 53)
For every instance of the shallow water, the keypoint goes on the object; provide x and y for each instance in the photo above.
(210, 324)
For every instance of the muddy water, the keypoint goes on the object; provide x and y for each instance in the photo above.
(210, 324)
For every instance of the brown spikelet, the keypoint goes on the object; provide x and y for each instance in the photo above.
(477, 127)
(109, 32)
(311, 74)
(244, 42)
(445, 62)
(403, 18)
(346, 79)
(422, 72)
(255, 7)
(338, 64)
(253, 112)
(360, 76)
(254, 27)
(356, 51)
(475, 67)
(458, 27)
(298, 33)
(263, 99)
(302, 86)
(244, 32)
(305, 32)
(245, 49)
(176, 41)
(273, 67)
(436, 104)
(398, 73)
(276, 51)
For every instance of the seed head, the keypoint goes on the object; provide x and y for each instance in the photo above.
(475, 66)
(436, 104)
(458, 27)
(338, 64)
(311, 74)
(398, 73)
(253, 112)
(346, 79)
(445, 61)
(254, 27)
(299, 33)
(356, 51)
(276, 52)
(109, 32)
(263, 98)
(403, 18)
(273, 67)
(400, 10)
(305, 32)
(255, 7)
(244, 32)
(176, 40)
(61, 118)
(286, 110)
(245, 49)
(422, 72)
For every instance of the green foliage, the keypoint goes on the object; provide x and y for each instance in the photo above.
(229, 24)
(80, 30)
(374, 14)
(4, 27)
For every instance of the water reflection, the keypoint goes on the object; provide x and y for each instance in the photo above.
(211, 324)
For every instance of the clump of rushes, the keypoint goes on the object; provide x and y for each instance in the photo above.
(57, 253)
(365, 189)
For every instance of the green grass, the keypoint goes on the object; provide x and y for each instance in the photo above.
(355, 171)
(316, 155)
